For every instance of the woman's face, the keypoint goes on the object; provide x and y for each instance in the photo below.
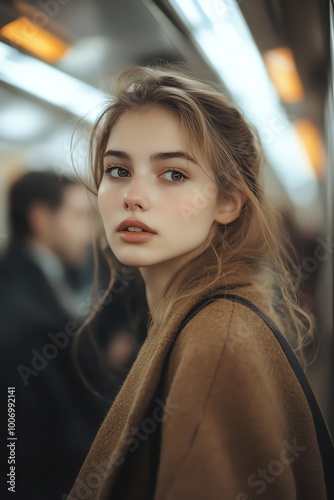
(151, 174)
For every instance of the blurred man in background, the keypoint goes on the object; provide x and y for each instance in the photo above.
(56, 417)
(51, 224)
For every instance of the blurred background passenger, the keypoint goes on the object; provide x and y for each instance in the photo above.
(44, 296)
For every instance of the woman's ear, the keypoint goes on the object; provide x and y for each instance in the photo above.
(229, 209)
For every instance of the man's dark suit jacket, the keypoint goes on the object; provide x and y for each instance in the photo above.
(56, 417)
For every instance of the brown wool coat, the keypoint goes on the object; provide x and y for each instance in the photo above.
(235, 424)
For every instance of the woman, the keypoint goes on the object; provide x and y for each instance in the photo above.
(221, 415)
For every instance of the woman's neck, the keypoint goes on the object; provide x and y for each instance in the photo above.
(156, 279)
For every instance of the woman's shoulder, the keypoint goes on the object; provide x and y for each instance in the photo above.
(232, 335)
(224, 322)
(227, 345)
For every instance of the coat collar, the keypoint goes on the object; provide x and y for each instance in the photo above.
(137, 392)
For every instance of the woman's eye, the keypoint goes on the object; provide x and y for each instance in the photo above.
(175, 176)
(117, 172)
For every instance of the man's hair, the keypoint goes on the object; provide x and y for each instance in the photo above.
(32, 188)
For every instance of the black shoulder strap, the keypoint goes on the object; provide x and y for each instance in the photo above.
(324, 439)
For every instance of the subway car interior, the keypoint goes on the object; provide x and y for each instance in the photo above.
(58, 59)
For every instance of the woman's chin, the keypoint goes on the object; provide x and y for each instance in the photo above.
(134, 261)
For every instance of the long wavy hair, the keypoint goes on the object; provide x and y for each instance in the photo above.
(254, 241)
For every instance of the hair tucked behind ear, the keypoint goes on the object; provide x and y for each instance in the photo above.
(254, 241)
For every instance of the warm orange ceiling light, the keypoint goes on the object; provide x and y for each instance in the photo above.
(312, 142)
(283, 73)
(34, 39)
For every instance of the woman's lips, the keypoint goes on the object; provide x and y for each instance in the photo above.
(135, 236)
(137, 223)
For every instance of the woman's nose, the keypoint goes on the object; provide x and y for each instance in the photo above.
(135, 197)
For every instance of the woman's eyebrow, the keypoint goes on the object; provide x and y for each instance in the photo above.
(173, 154)
(118, 154)
(155, 157)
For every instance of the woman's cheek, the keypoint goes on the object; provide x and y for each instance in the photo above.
(190, 211)
(105, 199)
